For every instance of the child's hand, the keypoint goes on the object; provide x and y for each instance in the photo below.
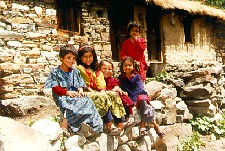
(102, 91)
(121, 92)
(136, 37)
(124, 93)
(84, 94)
(72, 94)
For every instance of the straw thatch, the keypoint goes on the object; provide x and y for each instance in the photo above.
(192, 7)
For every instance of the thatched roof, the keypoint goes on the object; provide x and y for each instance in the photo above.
(192, 7)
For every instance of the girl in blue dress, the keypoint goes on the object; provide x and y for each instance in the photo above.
(67, 90)
(130, 82)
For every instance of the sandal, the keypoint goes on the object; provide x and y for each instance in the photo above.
(66, 132)
(113, 131)
(143, 131)
(161, 134)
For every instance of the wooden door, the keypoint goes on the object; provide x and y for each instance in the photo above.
(121, 12)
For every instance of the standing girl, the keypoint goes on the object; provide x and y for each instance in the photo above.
(134, 47)
(67, 91)
(131, 82)
(108, 103)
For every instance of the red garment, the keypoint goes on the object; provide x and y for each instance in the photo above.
(111, 83)
(93, 84)
(59, 90)
(136, 51)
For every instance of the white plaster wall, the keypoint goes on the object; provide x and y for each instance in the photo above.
(175, 48)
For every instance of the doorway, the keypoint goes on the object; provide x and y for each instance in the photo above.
(121, 12)
(154, 34)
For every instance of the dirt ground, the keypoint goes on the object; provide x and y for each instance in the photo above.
(45, 112)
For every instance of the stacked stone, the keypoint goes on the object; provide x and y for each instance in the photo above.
(29, 43)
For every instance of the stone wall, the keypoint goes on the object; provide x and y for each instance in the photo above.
(29, 43)
(218, 38)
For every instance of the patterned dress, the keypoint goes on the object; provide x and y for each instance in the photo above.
(102, 101)
(78, 109)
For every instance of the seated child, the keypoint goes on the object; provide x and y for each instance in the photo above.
(67, 84)
(108, 104)
(112, 84)
(131, 82)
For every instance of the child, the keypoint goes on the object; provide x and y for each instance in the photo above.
(108, 104)
(112, 84)
(132, 84)
(134, 47)
(67, 85)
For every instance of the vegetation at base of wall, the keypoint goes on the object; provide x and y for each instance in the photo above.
(206, 126)
(192, 144)
(162, 77)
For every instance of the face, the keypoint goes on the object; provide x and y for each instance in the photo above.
(134, 32)
(87, 58)
(68, 61)
(128, 67)
(107, 69)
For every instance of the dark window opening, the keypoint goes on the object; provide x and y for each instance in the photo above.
(100, 13)
(68, 14)
(187, 21)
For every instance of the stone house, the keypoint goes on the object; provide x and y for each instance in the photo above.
(181, 36)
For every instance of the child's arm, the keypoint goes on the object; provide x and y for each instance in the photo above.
(64, 91)
(119, 90)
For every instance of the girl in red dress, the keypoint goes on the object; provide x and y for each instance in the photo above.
(134, 47)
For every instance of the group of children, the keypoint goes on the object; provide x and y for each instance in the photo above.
(90, 95)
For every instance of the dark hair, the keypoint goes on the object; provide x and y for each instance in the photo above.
(66, 49)
(84, 49)
(135, 64)
(131, 25)
(106, 60)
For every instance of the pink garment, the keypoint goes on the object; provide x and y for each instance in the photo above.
(136, 51)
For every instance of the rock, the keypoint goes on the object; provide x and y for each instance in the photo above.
(24, 105)
(75, 140)
(167, 144)
(49, 128)
(93, 146)
(15, 136)
(106, 142)
(153, 88)
(124, 148)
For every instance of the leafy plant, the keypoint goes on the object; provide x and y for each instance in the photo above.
(162, 77)
(205, 125)
(192, 144)
(216, 3)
